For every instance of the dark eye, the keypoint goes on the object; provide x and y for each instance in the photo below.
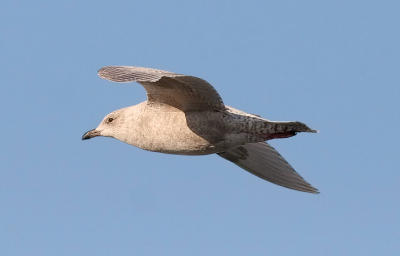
(110, 119)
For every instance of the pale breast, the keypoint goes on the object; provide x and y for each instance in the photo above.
(165, 129)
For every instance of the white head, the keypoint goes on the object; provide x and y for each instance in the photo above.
(115, 124)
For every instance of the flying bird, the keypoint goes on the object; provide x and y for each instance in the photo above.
(185, 115)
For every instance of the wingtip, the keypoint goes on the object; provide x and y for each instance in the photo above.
(110, 67)
(100, 72)
(112, 73)
(305, 187)
(315, 191)
(308, 189)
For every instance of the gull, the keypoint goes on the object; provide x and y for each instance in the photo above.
(185, 115)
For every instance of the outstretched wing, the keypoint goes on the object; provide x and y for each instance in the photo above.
(265, 162)
(187, 93)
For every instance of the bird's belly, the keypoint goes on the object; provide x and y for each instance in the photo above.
(169, 132)
(183, 142)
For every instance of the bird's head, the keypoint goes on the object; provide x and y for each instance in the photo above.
(111, 126)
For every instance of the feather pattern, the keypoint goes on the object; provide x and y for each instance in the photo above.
(185, 115)
(187, 93)
(265, 162)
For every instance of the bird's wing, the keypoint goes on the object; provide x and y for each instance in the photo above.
(187, 93)
(265, 162)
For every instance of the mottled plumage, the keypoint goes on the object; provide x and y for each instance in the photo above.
(185, 115)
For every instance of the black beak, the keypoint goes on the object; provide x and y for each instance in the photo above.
(90, 134)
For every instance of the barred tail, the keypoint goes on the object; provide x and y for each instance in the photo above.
(275, 130)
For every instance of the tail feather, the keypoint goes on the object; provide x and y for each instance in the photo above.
(294, 126)
(265, 162)
(277, 130)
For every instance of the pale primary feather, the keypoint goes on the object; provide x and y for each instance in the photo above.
(187, 93)
(265, 162)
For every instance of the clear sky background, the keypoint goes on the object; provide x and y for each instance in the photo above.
(331, 64)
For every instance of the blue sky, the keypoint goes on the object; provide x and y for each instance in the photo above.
(331, 64)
